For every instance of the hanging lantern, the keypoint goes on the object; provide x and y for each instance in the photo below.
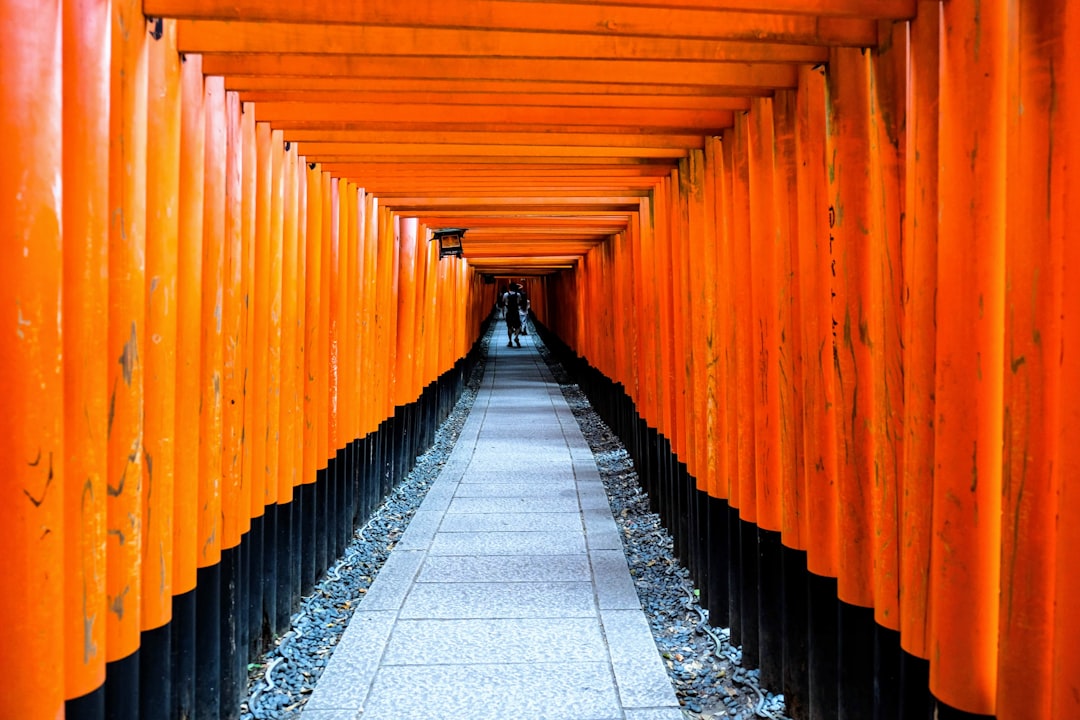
(449, 240)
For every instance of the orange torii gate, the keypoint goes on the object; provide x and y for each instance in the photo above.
(811, 257)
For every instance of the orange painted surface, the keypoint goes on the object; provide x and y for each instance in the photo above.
(789, 328)
(332, 278)
(159, 403)
(329, 206)
(712, 368)
(1065, 701)
(965, 556)
(369, 421)
(729, 458)
(406, 303)
(276, 239)
(126, 328)
(313, 340)
(188, 324)
(1034, 247)
(854, 326)
(210, 377)
(261, 489)
(234, 511)
(920, 293)
(742, 302)
(32, 495)
(85, 312)
(346, 240)
(249, 187)
(288, 475)
(765, 390)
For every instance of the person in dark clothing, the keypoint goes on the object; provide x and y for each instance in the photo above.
(512, 301)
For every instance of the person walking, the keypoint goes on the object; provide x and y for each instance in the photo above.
(523, 309)
(511, 301)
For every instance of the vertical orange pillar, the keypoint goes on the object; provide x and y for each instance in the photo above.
(286, 476)
(920, 341)
(744, 333)
(648, 331)
(358, 270)
(888, 77)
(700, 243)
(762, 254)
(1034, 236)
(332, 303)
(323, 374)
(406, 302)
(159, 413)
(368, 421)
(789, 329)
(1065, 701)
(711, 385)
(232, 318)
(248, 187)
(816, 277)
(260, 334)
(188, 366)
(729, 456)
(847, 141)
(86, 29)
(420, 376)
(966, 551)
(347, 223)
(313, 459)
(127, 346)
(31, 354)
(210, 409)
(274, 308)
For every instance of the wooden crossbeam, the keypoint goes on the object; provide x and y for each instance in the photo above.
(770, 75)
(215, 36)
(641, 17)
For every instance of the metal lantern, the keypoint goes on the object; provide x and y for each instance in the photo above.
(449, 240)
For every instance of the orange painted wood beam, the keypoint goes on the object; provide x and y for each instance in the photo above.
(608, 19)
(508, 96)
(499, 116)
(214, 36)
(477, 171)
(613, 140)
(315, 150)
(735, 74)
(629, 16)
(454, 86)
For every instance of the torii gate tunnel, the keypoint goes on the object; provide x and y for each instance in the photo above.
(810, 259)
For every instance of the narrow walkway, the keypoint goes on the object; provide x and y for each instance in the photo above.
(509, 594)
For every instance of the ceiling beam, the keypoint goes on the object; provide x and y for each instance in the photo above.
(743, 75)
(216, 36)
(621, 16)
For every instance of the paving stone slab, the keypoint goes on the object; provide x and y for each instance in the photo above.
(505, 569)
(509, 543)
(494, 600)
(489, 640)
(563, 691)
(643, 681)
(352, 667)
(547, 488)
(513, 505)
(614, 586)
(519, 522)
(392, 583)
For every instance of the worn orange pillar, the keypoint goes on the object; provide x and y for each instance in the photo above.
(127, 346)
(313, 455)
(920, 292)
(766, 365)
(742, 298)
(210, 524)
(1065, 688)
(85, 311)
(965, 554)
(1034, 236)
(31, 353)
(816, 278)
(192, 192)
(159, 412)
(260, 341)
(248, 187)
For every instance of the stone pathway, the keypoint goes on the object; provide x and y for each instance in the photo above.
(508, 596)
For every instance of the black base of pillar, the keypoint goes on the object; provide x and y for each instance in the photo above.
(183, 655)
(719, 555)
(90, 706)
(155, 681)
(796, 634)
(886, 674)
(735, 576)
(855, 660)
(751, 638)
(258, 628)
(916, 702)
(122, 688)
(822, 646)
(771, 608)
(208, 643)
(233, 652)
